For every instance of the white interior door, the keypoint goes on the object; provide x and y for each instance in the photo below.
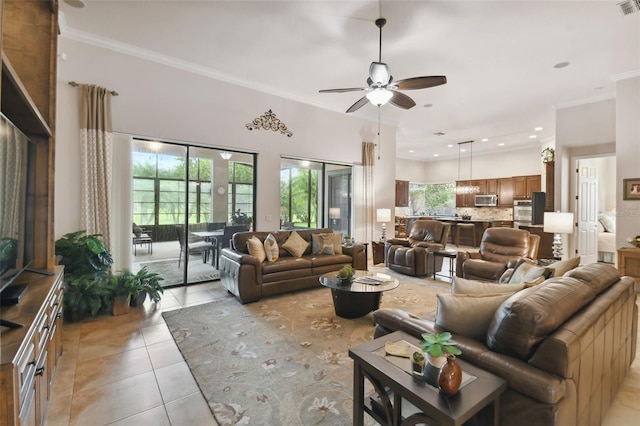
(587, 214)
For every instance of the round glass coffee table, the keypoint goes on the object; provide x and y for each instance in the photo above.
(360, 295)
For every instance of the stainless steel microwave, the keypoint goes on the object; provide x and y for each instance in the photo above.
(490, 200)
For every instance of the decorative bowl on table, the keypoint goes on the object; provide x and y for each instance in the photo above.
(346, 279)
(634, 241)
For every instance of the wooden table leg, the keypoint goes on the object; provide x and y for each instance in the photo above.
(358, 395)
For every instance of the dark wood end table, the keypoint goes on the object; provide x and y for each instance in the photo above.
(396, 386)
(451, 255)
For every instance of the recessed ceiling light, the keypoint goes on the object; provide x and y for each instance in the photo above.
(436, 155)
(463, 150)
(449, 146)
(411, 151)
(533, 136)
(501, 144)
(485, 140)
(428, 105)
(537, 129)
(561, 65)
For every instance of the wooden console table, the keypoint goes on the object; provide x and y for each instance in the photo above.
(629, 263)
(30, 353)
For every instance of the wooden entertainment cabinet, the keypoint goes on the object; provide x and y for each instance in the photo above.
(29, 48)
(30, 353)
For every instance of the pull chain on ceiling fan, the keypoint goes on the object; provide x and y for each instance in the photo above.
(381, 87)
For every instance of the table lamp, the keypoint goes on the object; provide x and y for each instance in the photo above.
(334, 213)
(558, 223)
(384, 216)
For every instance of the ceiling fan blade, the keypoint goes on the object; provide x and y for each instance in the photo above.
(420, 82)
(351, 89)
(401, 100)
(359, 104)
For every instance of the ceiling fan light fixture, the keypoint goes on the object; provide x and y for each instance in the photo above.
(379, 73)
(379, 97)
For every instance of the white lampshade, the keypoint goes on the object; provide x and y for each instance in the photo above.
(383, 215)
(558, 223)
(334, 212)
(379, 96)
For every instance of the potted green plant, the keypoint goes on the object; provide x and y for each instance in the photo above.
(347, 239)
(122, 286)
(437, 346)
(82, 254)
(85, 294)
(149, 284)
(87, 262)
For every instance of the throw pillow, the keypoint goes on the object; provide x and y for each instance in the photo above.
(322, 243)
(428, 236)
(337, 242)
(137, 230)
(255, 248)
(559, 268)
(272, 252)
(526, 270)
(468, 315)
(465, 286)
(608, 222)
(295, 244)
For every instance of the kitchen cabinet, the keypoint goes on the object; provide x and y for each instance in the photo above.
(469, 200)
(523, 186)
(402, 193)
(492, 186)
(505, 192)
(549, 186)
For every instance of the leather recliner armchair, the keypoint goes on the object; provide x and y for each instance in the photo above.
(500, 249)
(414, 255)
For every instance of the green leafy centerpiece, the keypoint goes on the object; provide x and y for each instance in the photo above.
(346, 273)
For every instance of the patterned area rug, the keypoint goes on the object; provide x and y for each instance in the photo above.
(173, 275)
(283, 360)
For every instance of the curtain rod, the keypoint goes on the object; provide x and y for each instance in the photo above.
(74, 84)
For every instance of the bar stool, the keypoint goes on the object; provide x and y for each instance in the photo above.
(466, 227)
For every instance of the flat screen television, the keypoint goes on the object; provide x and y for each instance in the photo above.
(17, 189)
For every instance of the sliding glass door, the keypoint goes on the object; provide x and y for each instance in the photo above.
(315, 194)
(186, 201)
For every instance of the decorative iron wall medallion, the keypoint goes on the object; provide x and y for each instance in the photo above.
(269, 121)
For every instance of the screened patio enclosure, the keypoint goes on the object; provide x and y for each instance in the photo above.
(183, 198)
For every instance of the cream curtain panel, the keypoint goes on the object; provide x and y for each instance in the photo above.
(96, 139)
(368, 161)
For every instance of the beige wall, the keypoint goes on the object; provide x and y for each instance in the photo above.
(511, 163)
(164, 102)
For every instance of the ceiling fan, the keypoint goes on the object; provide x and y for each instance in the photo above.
(383, 89)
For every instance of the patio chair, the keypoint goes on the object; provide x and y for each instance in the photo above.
(141, 236)
(188, 248)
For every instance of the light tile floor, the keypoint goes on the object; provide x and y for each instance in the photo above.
(127, 370)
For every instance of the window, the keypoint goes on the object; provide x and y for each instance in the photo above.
(432, 199)
(240, 192)
(159, 186)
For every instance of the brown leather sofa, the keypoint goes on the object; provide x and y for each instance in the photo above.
(500, 249)
(248, 279)
(414, 255)
(563, 346)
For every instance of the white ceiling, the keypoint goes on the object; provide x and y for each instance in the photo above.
(498, 56)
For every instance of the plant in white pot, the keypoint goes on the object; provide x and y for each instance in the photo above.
(437, 346)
